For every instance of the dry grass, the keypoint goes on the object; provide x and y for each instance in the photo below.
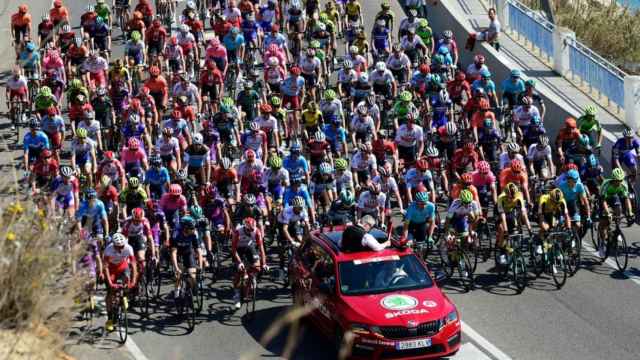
(37, 288)
(606, 27)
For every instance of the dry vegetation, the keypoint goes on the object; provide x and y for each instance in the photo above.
(607, 28)
(37, 289)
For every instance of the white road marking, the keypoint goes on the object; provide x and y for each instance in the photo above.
(469, 351)
(612, 264)
(134, 350)
(484, 343)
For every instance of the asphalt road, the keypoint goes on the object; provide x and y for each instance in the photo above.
(593, 317)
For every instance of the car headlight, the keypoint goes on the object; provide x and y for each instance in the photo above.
(363, 329)
(452, 316)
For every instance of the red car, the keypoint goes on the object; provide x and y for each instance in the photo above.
(387, 299)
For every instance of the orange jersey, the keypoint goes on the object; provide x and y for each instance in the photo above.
(20, 20)
(457, 188)
(59, 14)
(507, 175)
(157, 85)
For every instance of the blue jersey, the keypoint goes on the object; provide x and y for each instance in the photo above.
(509, 86)
(621, 145)
(289, 194)
(157, 176)
(93, 213)
(334, 136)
(296, 165)
(249, 29)
(233, 44)
(488, 87)
(52, 124)
(571, 194)
(292, 86)
(29, 59)
(278, 39)
(380, 37)
(35, 142)
(416, 215)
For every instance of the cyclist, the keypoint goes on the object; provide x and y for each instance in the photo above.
(133, 196)
(512, 87)
(120, 263)
(567, 135)
(103, 11)
(592, 173)
(589, 125)
(34, 142)
(247, 252)
(614, 191)
(516, 173)
(20, 24)
(44, 171)
(626, 152)
(575, 196)
(29, 59)
(196, 158)
(137, 229)
(484, 181)
(292, 220)
(185, 245)
(65, 191)
(552, 208)
(540, 159)
(372, 201)
(343, 209)
(464, 214)
(157, 178)
(530, 92)
(111, 167)
(512, 152)
(511, 208)
(381, 36)
(16, 88)
(419, 219)
(92, 215)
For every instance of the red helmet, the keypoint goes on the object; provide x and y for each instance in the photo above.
(250, 154)
(173, 40)
(275, 28)
(466, 178)
(570, 122)
(51, 110)
(137, 214)
(460, 76)
(108, 155)
(57, 3)
(154, 71)
(211, 65)
(135, 103)
(265, 108)
(570, 166)
(23, 8)
(175, 189)
(422, 165)
(46, 153)
(157, 23)
(296, 70)
(176, 114)
(250, 222)
(424, 69)
(469, 146)
(484, 167)
(516, 165)
(133, 143)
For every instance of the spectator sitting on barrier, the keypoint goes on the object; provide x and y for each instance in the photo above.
(489, 34)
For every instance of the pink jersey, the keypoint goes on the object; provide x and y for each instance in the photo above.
(128, 156)
(169, 202)
(480, 180)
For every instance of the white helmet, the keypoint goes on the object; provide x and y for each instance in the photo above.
(184, 28)
(191, 5)
(119, 239)
(197, 138)
(381, 66)
(273, 61)
(364, 77)
(353, 49)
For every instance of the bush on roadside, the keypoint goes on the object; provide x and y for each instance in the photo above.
(611, 30)
(37, 286)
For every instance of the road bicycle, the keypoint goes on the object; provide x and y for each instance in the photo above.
(516, 265)
(456, 253)
(547, 255)
(248, 290)
(185, 300)
(614, 242)
(121, 312)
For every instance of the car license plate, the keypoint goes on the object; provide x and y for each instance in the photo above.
(413, 344)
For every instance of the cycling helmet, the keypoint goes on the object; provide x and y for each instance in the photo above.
(422, 165)
(347, 197)
(466, 178)
(438, 59)
(101, 91)
(119, 240)
(175, 189)
(362, 109)
(516, 73)
(155, 160)
(249, 199)
(182, 174)
(443, 96)
(66, 171)
(513, 147)
(483, 167)
(627, 132)
(275, 101)
(137, 214)
(396, 47)
(423, 23)
(348, 64)
(275, 162)
(154, 71)
(225, 162)
(530, 83)
(526, 101)
(254, 126)
(460, 76)
(326, 168)
(485, 73)
(133, 143)
(75, 84)
(536, 120)
(432, 151)
(590, 110)
(108, 155)
(618, 174)
(77, 41)
(466, 197)
(90, 194)
(570, 122)
(329, 94)
(320, 136)
(424, 69)
(81, 133)
(250, 154)
(185, 28)
(363, 78)
(249, 223)
(447, 34)
(134, 182)
(187, 222)
(167, 131)
(191, 5)
(46, 153)
(266, 108)
(479, 59)
(511, 189)
(66, 28)
(570, 166)
(374, 188)
(516, 165)
(584, 140)
(105, 181)
(298, 202)
(366, 147)
(422, 197)
(295, 71)
(34, 123)
(196, 211)
(381, 66)
(451, 128)
(135, 35)
(488, 123)
(197, 139)
(273, 61)
(544, 141)
(573, 174)
(341, 164)
(556, 195)
(406, 96)
(593, 160)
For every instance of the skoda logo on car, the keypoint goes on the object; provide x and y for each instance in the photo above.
(398, 302)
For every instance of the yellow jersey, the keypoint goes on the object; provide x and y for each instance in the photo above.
(352, 8)
(548, 206)
(506, 205)
(311, 118)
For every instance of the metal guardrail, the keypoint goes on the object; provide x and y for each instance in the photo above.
(599, 73)
(533, 26)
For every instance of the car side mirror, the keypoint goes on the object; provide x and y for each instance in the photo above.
(439, 276)
(328, 286)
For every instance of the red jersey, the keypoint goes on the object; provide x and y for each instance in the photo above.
(155, 35)
(20, 20)
(136, 228)
(477, 119)
(463, 159)
(59, 14)
(318, 148)
(210, 77)
(187, 112)
(46, 168)
(456, 88)
(222, 176)
(145, 9)
(109, 195)
(382, 147)
(136, 25)
(507, 175)
(157, 85)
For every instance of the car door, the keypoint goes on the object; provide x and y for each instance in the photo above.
(322, 289)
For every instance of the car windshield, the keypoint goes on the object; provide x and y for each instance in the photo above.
(383, 274)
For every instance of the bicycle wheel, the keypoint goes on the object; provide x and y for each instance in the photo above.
(519, 270)
(199, 292)
(143, 296)
(559, 270)
(573, 250)
(465, 268)
(446, 264)
(190, 310)
(537, 260)
(593, 234)
(250, 308)
(123, 323)
(619, 250)
(152, 283)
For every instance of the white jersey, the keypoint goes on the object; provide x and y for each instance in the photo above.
(309, 65)
(523, 117)
(115, 257)
(287, 216)
(369, 201)
(267, 123)
(459, 209)
(246, 169)
(362, 125)
(246, 240)
(389, 186)
(473, 71)
(92, 127)
(344, 181)
(331, 107)
(505, 160)
(409, 137)
(17, 84)
(273, 178)
(347, 76)
(167, 147)
(360, 163)
(97, 65)
(407, 44)
(538, 155)
(377, 78)
(397, 63)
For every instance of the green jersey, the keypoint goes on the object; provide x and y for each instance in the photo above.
(587, 124)
(103, 11)
(426, 34)
(42, 103)
(609, 190)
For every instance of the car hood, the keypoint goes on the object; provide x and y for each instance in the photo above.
(399, 308)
